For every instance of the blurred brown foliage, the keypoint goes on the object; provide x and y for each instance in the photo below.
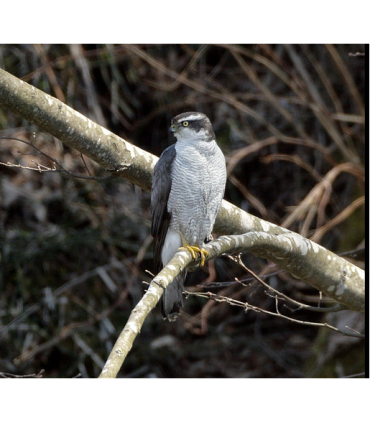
(74, 252)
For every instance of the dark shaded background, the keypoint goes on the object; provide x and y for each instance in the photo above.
(74, 252)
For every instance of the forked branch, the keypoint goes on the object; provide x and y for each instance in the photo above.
(290, 251)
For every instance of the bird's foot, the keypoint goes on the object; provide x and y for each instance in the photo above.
(196, 252)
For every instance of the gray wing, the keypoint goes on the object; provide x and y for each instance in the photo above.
(161, 187)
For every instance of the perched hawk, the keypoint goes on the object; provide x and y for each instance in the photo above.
(187, 189)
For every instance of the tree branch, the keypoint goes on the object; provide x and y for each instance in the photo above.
(290, 251)
(304, 259)
(110, 151)
(138, 315)
(77, 131)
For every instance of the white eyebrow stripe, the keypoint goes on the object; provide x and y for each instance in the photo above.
(191, 117)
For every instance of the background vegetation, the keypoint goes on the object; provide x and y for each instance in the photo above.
(74, 253)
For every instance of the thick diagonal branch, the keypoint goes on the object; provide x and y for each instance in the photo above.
(101, 145)
(76, 130)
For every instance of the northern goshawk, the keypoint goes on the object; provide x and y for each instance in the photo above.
(187, 189)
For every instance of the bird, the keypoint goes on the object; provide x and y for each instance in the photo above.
(188, 186)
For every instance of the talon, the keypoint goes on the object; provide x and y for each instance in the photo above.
(203, 254)
(196, 252)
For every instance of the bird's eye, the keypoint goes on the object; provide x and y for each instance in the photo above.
(185, 123)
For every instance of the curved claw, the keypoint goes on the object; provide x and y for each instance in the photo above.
(196, 252)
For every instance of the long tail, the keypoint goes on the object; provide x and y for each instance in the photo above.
(172, 298)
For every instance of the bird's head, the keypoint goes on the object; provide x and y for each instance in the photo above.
(192, 126)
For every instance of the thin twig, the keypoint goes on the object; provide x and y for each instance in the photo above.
(247, 306)
(279, 294)
(58, 168)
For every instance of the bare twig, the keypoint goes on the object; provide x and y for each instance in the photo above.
(57, 167)
(280, 295)
(13, 376)
(247, 306)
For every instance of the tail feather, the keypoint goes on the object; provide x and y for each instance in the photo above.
(173, 298)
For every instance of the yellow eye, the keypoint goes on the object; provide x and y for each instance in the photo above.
(185, 123)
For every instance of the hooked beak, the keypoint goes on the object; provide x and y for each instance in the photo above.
(174, 128)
